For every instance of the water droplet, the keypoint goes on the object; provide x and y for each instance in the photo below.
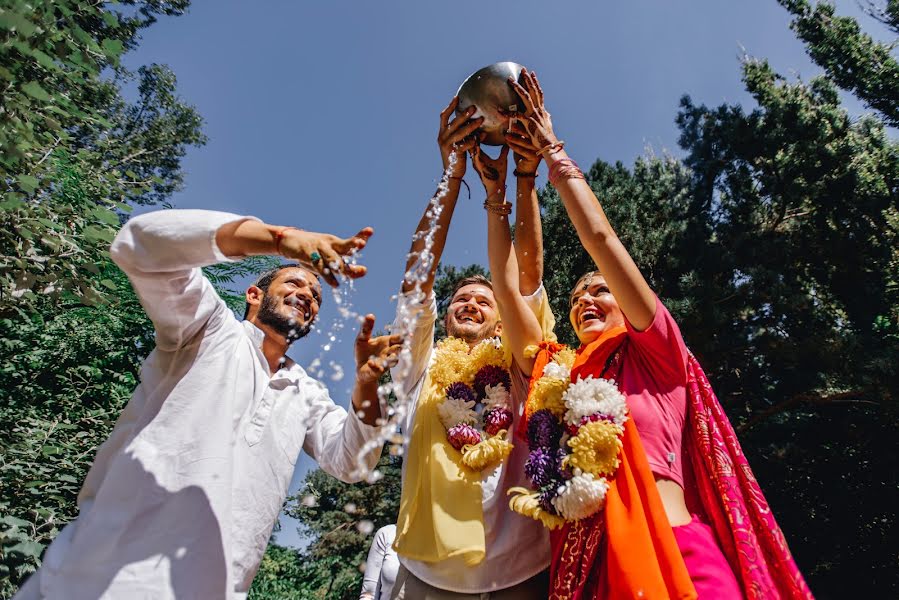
(349, 508)
(365, 527)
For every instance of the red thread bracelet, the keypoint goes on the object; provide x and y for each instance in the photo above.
(279, 235)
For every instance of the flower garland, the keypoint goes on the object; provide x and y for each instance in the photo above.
(574, 437)
(477, 407)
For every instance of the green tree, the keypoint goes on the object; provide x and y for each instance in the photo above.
(339, 520)
(65, 123)
(286, 574)
(852, 58)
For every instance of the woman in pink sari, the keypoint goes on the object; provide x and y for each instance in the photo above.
(684, 517)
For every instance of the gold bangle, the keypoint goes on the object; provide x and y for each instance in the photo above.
(498, 208)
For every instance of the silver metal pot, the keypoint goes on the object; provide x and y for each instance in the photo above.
(489, 90)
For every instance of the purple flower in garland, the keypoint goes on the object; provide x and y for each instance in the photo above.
(543, 430)
(461, 391)
(544, 467)
(546, 495)
(491, 375)
(462, 434)
(497, 419)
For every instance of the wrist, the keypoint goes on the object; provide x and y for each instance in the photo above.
(453, 168)
(551, 148)
(525, 174)
(278, 234)
(555, 156)
(365, 401)
(495, 190)
(496, 202)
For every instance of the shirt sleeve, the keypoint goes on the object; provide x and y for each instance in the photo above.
(162, 253)
(538, 302)
(661, 347)
(376, 554)
(335, 437)
(412, 364)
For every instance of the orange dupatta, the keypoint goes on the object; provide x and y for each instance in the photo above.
(638, 556)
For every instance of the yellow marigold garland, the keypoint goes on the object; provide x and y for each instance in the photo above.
(488, 453)
(595, 448)
(455, 369)
(574, 437)
(547, 393)
(526, 502)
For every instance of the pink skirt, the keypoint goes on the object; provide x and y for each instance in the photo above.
(709, 570)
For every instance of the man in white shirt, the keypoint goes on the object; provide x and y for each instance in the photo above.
(517, 552)
(182, 498)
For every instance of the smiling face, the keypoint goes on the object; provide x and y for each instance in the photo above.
(472, 314)
(593, 308)
(289, 305)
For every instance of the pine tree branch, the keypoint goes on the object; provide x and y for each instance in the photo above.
(850, 397)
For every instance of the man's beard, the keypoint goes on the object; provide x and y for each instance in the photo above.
(468, 335)
(289, 328)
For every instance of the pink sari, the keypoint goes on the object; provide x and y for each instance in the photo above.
(733, 502)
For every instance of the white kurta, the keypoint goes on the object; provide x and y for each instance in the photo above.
(181, 499)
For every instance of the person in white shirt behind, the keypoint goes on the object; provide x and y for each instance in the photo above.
(182, 498)
(381, 566)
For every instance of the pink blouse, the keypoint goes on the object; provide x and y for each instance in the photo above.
(653, 376)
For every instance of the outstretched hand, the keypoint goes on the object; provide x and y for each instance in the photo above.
(325, 253)
(524, 153)
(491, 170)
(536, 119)
(374, 355)
(457, 137)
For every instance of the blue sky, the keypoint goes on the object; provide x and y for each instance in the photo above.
(323, 115)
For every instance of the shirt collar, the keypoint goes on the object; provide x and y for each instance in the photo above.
(292, 373)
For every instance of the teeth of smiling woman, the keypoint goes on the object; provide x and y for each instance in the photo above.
(590, 315)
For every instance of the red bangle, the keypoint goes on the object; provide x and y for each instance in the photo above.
(279, 235)
(564, 169)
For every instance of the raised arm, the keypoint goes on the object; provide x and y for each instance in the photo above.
(528, 230)
(520, 326)
(455, 138)
(162, 253)
(335, 437)
(626, 283)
